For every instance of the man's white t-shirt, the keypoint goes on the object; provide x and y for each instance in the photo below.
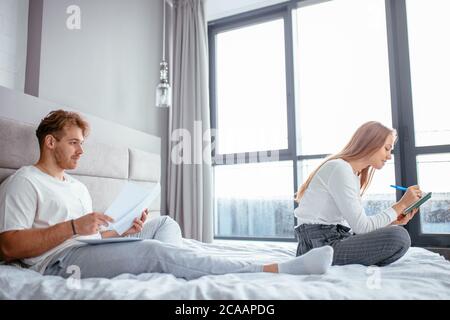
(31, 198)
(333, 197)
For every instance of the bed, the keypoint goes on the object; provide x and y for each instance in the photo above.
(420, 274)
(104, 168)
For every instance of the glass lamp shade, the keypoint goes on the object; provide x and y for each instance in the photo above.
(163, 95)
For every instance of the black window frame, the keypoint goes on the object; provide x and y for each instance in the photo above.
(403, 119)
(401, 100)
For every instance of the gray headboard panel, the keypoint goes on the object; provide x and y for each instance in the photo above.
(103, 168)
(28, 109)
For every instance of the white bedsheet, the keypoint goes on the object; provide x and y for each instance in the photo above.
(420, 274)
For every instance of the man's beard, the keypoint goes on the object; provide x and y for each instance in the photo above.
(62, 161)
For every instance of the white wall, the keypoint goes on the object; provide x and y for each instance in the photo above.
(108, 68)
(29, 109)
(13, 43)
(216, 9)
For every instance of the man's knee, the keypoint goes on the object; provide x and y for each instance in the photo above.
(169, 231)
(158, 220)
(163, 221)
(168, 221)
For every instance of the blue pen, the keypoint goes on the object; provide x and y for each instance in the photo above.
(399, 188)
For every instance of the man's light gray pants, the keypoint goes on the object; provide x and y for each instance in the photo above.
(161, 252)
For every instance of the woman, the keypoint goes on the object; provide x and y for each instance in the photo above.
(330, 210)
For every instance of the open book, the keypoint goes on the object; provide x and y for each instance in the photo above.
(132, 200)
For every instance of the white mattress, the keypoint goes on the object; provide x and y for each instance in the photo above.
(420, 274)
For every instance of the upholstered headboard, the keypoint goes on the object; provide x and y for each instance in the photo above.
(103, 168)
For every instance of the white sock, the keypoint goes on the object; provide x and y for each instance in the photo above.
(315, 261)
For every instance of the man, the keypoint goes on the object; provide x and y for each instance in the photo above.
(43, 211)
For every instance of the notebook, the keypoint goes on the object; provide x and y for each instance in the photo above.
(418, 203)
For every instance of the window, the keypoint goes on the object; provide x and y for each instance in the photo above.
(254, 200)
(428, 29)
(343, 81)
(434, 175)
(251, 89)
(342, 71)
(299, 77)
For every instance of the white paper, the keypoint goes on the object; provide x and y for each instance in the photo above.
(130, 203)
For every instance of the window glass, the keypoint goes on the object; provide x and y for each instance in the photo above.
(251, 89)
(254, 200)
(428, 31)
(342, 72)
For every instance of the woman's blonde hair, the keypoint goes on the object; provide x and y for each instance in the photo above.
(367, 140)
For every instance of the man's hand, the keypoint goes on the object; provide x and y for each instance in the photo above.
(404, 219)
(91, 223)
(138, 224)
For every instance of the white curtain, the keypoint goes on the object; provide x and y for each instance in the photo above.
(189, 184)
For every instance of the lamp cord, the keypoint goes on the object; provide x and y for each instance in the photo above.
(164, 31)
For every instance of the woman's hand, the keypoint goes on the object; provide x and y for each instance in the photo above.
(404, 219)
(411, 195)
(138, 224)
